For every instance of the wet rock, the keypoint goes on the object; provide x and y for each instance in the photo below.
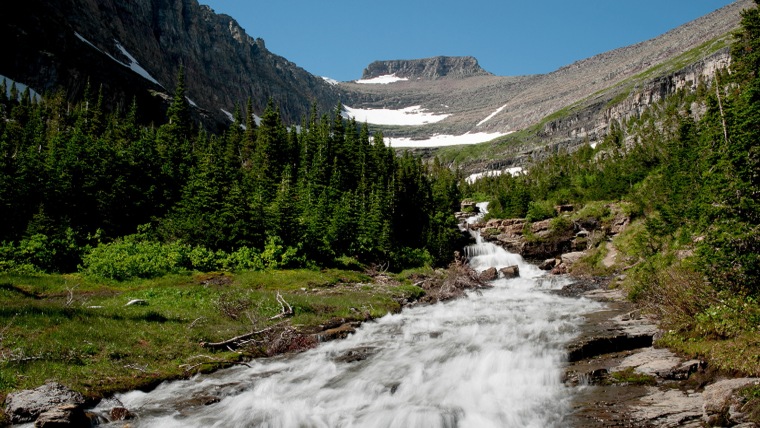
(594, 346)
(66, 415)
(357, 354)
(121, 414)
(489, 274)
(559, 269)
(200, 400)
(581, 286)
(27, 405)
(510, 272)
(548, 264)
(336, 333)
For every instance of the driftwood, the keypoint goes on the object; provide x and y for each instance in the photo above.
(211, 361)
(235, 340)
(238, 341)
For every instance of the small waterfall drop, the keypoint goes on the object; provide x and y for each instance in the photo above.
(492, 359)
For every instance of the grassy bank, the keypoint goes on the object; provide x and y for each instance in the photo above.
(82, 333)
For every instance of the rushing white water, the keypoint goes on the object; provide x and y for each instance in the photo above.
(492, 359)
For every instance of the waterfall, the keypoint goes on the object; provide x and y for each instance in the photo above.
(492, 359)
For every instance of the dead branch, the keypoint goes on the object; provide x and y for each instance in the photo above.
(720, 107)
(197, 320)
(70, 298)
(237, 340)
(143, 368)
(188, 368)
(285, 309)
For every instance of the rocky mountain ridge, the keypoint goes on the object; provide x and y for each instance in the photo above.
(426, 69)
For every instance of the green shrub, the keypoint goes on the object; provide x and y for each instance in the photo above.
(540, 210)
(204, 260)
(41, 253)
(730, 318)
(133, 257)
(560, 224)
(594, 210)
(242, 259)
(406, 258)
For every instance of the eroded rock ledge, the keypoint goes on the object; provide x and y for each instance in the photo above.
(619, 379)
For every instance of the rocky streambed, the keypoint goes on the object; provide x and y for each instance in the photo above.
(620, 379)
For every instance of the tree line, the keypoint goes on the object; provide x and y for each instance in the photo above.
(78, 184)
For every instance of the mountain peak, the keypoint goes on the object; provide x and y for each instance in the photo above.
(426, 69)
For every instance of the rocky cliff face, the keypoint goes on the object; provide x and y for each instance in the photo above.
(116, 43)
(426, 69)
(593, 122)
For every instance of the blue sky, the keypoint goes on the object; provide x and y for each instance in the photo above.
(339, 38)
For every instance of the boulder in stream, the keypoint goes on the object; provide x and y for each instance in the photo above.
(510, 272)
(489, 274)
(27, 405)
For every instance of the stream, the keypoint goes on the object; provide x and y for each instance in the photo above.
(492, 359)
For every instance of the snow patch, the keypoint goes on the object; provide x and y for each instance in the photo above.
(192, 103)
(330, 81)
(414, 115)
(594, 144)
(80, 37)
(20, 87)
(228, 114)
(231, 118)
(490, 116)
(445, 140)
(514, 171)
(382, 80)
(133, 64)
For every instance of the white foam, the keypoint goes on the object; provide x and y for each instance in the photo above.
(515, 171)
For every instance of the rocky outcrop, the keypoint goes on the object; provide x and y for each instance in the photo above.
(592, 123)
(426, 69)
(536, 240)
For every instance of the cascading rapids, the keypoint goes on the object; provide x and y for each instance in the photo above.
(492, 359)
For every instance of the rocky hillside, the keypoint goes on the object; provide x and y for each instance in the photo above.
(135, 48)
(426, 69)
(498, 105)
